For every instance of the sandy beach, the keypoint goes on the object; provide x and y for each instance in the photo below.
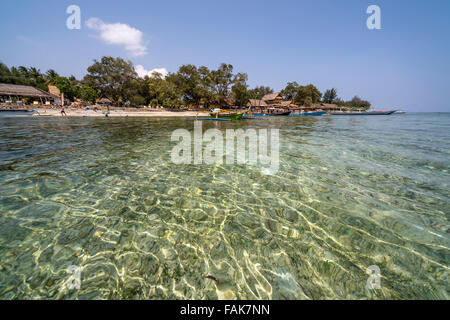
(75, 112)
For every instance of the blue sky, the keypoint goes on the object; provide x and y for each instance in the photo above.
(406, 64)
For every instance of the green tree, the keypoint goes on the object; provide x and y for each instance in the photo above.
(329, 96)
(239, 91)
(290, 91)
(88, 93)
(307, 95)
(188, 82)
(357, 102)
(5, 74)
(259, 92)
(137, 100)
(164, 92)
(221, 80)
(114, 78)
(69, 89)
(50, 76)
(339, 102)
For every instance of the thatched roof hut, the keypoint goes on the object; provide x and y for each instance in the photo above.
(14, 90)
(282, 104)
(285, 104)
(54, 90)
(256, 103)
(273, 97)
(104, 101)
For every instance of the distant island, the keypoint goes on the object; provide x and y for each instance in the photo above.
(114, 82)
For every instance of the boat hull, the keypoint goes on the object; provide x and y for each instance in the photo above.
(308, 114)
(231, 116)
(278, 114)
(213, 119)
(17, 113)
(370, 113)
(253, 115)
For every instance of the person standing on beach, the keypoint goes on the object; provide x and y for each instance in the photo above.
(63, 113)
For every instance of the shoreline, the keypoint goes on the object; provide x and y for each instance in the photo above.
(48, 112)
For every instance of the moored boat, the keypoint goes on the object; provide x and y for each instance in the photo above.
(225, 114)
(249, 115)
(278, 112)
(17, 113)
(308, 113)
(362, 113)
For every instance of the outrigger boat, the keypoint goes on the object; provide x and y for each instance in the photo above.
(308, 113)
(362, 113)
(225, 114)
(18, 113)
(251, 115)
(278, 112)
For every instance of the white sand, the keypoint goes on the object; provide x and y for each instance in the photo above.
(115, 113)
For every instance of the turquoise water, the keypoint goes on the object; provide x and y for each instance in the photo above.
(102, 194)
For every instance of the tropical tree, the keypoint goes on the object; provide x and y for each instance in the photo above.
(259, 92)
(357, 102)
(188, 82)
(164, 92)
(221, 80)
(290, 91)
(67, 87)
(329, 96)
(114, 78)
(5, 74)
(51, 76)
(307, 95)
(239, 91)
(137, 100)
(88, 93)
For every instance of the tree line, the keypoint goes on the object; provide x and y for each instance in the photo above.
(191, 86)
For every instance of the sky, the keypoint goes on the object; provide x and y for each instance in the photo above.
(405, 64)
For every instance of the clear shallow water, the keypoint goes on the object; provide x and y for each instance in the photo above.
(102, 194)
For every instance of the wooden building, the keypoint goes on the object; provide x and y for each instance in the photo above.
(14, 92)
(256, 103)
(104, 102)
(273, 99)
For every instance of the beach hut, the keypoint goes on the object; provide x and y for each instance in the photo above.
(104, 102)
(10, 92)
(273, 99)
(256, 103)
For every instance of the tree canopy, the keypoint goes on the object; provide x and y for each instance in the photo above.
(117, 80)
(114, 78)
(329, 96)
(301, 95)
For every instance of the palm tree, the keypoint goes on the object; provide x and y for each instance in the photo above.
(50, 76)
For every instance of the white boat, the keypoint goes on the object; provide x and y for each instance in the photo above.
(18, 113)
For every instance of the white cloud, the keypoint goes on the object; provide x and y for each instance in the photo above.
(140, 70)
(119, 34)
